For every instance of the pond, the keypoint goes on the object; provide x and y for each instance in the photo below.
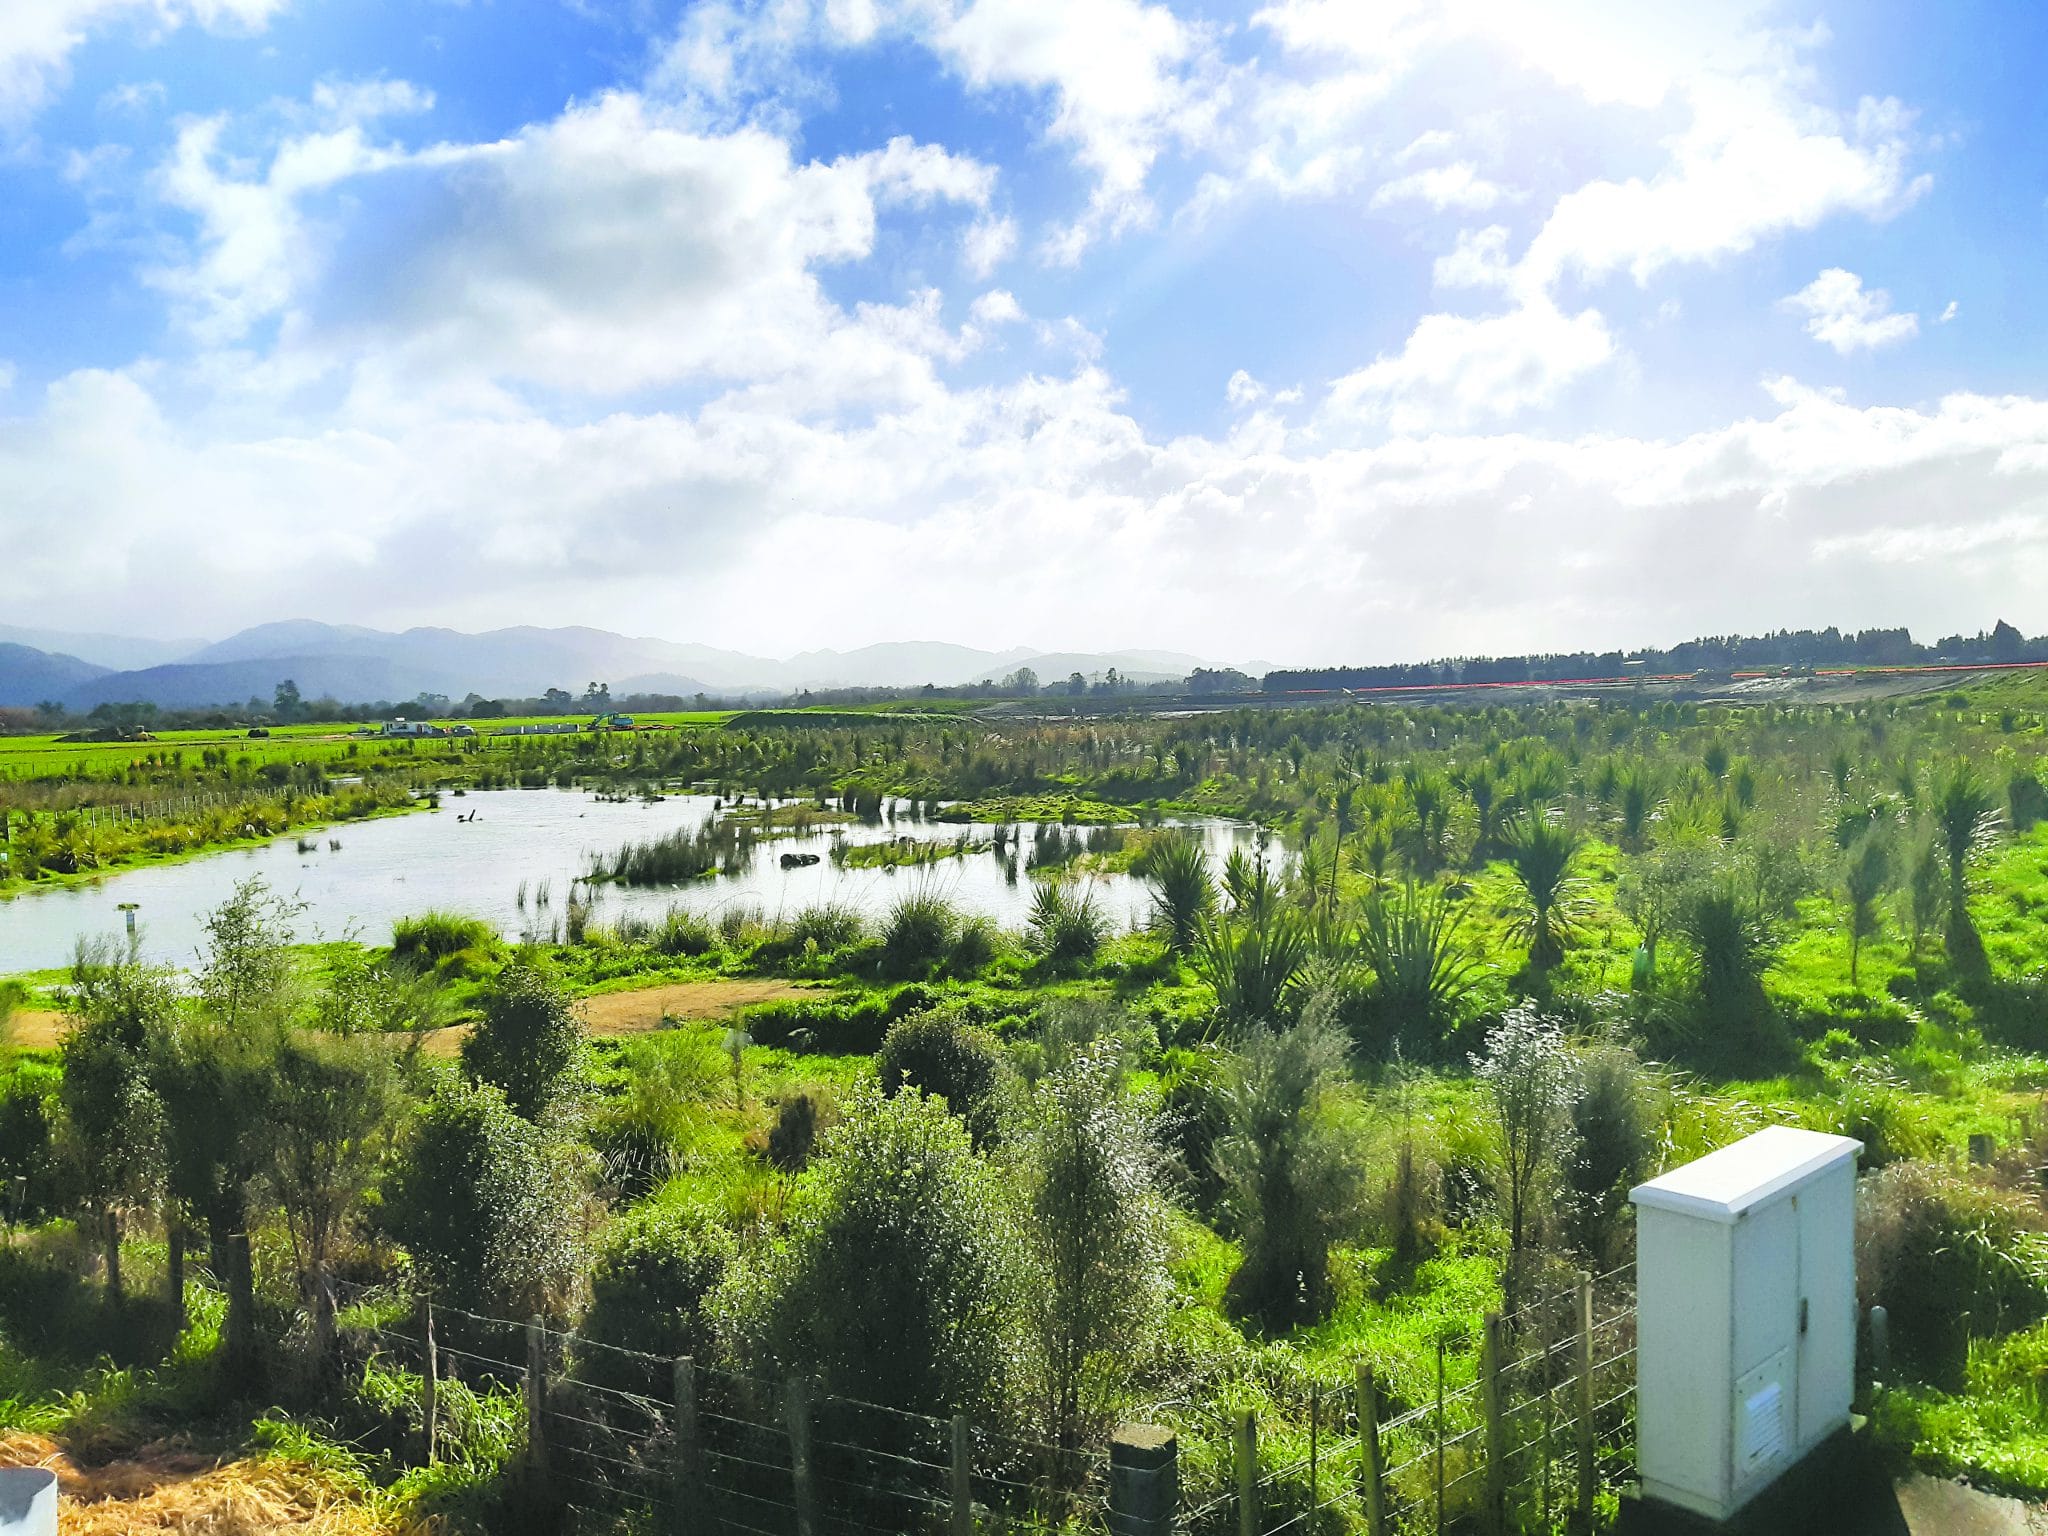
(481, 853)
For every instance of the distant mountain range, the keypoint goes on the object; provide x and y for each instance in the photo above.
(360, 666)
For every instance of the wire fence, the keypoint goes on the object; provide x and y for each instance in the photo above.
(676, 1445)
(1527, 1424)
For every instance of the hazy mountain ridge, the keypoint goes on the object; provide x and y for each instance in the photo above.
(115, 653)
(356, 665)
(29, 676)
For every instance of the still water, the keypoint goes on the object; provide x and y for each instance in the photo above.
(404, 865)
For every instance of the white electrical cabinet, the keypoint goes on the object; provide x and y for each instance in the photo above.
(1745, 1315)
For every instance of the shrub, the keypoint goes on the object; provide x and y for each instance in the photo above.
(898, 1280)
(434, 936)
(1292, 1175)
(1098, 1237)
(939, 1053)
(528, 1042)
(649, 1288)
(1254, 966)
(917, 935)
(28, 1125)
(1067, 926)
(975, 948)
(1422, 970)
(682, 932)
(1194, 1119)
(1942, 1252)
(1609, 1143)
(490, 1206)
(829, 926)
(799, 1120)
(1183, 891)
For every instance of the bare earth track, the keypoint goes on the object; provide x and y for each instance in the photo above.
(606, 1015)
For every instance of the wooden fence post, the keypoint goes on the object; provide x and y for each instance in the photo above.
(1371, 1470)
(963, 1478)
(536, 1399)
(1585, 1439)
(688, 1487)
(430, 1381)
(1496, 1427)
(797, 1407)
(1245, 1452)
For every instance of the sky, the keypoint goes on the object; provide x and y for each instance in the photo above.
(1308, 331)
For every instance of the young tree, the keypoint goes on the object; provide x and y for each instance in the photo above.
(332, 1103)
(1097, 1234)
(1541, 850)
(898, 1279)
(221, 1055)
(528, 1042)
(1866, 876)
(1966, 819)
(1925, 883)
(113, 1118)
(1292, 1176)
(492, 1208)
(1527, 1070)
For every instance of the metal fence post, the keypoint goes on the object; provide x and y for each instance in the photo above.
(1439, 1437)
(798, 1411)
(536, 1398)
(963, 1478)
(1371, 1470)
(1585, 1437)
(430, 1381)
(688, 1486)
(1496, 1426)
(1245, 1453)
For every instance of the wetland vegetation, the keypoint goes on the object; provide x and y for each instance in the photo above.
(1339, 1093)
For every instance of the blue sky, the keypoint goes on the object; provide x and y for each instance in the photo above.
(1308, 330)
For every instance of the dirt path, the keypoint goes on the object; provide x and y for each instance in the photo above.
(37, 1029)
(632, 1013)
(607, 1014)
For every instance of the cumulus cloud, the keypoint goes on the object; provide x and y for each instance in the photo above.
(1455, 370)
(609, 249)
(1842, 313)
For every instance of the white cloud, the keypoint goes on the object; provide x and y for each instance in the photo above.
(1456, 370)
(1751, 165)
(1022, 506)
(1443, 187)
(987, 243)
(1842, 313)
(996, 307)
(1947, 314)
(1242, 389)
(608, 250)
(38, 38)
(1124, 80)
